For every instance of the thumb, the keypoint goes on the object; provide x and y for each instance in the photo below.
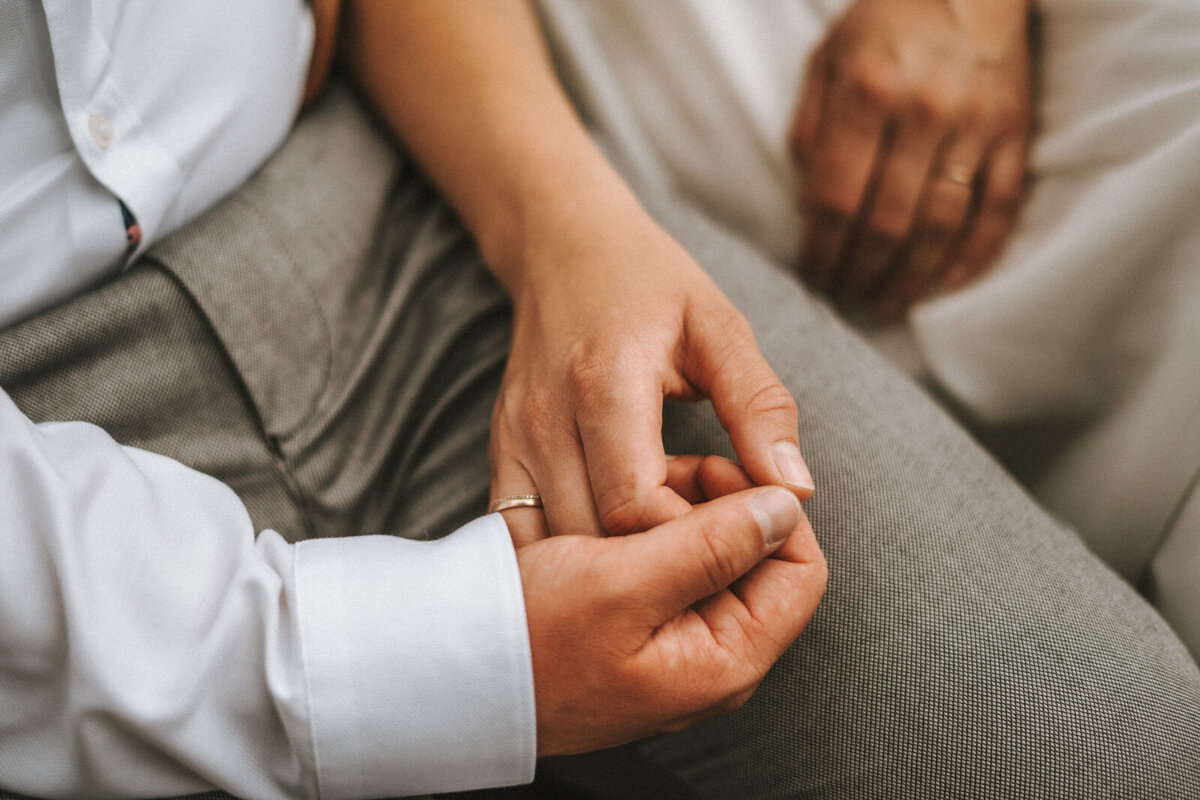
(700, 553)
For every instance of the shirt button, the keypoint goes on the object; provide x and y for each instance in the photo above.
(101, 128)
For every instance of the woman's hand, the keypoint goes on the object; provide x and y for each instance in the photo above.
(911, 138)
(611, 316)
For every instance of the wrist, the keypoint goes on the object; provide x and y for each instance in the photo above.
(536, 228)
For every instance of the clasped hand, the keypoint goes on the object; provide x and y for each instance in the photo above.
(610, 319)
(650, 632)
(682, 614)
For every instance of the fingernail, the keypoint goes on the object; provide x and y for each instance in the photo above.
(792, 467)
(777, 512)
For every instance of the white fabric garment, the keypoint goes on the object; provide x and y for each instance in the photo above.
(1090, 322)
(149, 645)
(166, 106)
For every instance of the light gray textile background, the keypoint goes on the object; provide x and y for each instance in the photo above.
(328, 343)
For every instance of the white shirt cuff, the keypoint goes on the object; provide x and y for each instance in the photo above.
(418, 666)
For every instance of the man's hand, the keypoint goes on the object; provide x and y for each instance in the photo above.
(911, 138)
(610, 318)
(647, 633)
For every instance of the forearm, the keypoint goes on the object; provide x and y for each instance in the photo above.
(470, 89)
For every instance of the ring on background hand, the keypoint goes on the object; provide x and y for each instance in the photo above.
(960, 174)
(515, 501)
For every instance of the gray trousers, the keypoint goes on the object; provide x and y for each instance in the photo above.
(327, 342)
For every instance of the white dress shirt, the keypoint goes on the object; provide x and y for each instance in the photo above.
(149, 644)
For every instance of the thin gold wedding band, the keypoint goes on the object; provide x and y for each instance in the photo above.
(515, 501)
(958, 174)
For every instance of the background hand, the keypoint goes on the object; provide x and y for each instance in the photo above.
(610, 318)
(911, 138)
(648, 633)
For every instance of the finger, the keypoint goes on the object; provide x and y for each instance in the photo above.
(803, 135)
(764, 611)
(620, 429)
(525, 525)
(683, 477)
(720, 476)
(724, 362)
(907, 163)
(840, 172)
(946, 209)
(739, 632)
(704, 551)
(699, 479)
(557, 472)
(1000, 204)
(825, 235)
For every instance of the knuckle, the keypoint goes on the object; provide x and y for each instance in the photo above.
(935, 105)
(620, 507)
(736, 336)
(773, 399)
(889, 225)
(834, 203)
(720, 557)
(587, 369)
(736, 328)
(871, 79)
(538, 418)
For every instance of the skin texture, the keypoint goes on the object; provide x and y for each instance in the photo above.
(651, 632)
(611, 315)
(911, 140)
(636, 634)
(596, 348)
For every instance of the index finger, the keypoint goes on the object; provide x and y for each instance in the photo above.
(754, 407)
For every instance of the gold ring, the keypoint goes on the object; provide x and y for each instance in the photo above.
(515, 501)
(959, 174)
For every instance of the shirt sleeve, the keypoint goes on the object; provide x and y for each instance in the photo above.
(151, 646)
